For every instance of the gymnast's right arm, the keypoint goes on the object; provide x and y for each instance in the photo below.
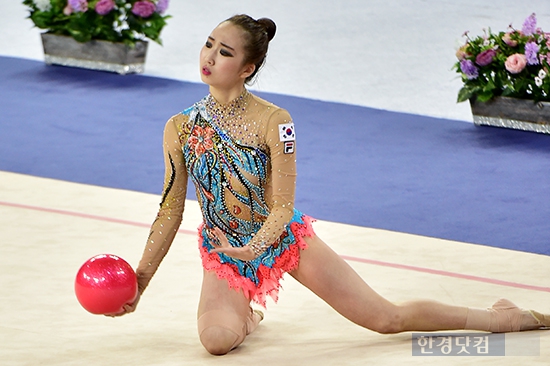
(168, 220)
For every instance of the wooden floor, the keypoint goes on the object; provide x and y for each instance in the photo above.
(49, 228)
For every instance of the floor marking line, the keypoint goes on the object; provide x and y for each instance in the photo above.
(346, 257)
(448, 274)
(87, 216)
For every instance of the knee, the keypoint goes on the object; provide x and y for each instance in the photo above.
(218, 340)
(389, 323)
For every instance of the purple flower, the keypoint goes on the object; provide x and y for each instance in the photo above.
(162, 5)
(529, 25)
(485, 57)
(104, 7)
(531, 51)
(469, 69)
(143, 8)
(78, 5)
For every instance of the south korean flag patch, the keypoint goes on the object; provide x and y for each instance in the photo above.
(287, 136)
(286, 132)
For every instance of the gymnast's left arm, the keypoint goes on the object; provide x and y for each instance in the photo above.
(281, 141)
(279, 136)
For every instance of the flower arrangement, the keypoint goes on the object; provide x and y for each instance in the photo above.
(126, 21)
(515, 63)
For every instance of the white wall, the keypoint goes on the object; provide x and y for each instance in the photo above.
(393, 55)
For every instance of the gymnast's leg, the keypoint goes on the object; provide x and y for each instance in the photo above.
(224, 315)
(331, 278)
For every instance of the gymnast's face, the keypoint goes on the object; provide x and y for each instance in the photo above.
(222, 58)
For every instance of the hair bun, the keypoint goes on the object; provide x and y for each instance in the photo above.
(269, 26)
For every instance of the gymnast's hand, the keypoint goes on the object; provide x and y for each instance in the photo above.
(127, 308)
(243, 253)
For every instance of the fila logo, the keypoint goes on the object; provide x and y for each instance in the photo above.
(289, 147)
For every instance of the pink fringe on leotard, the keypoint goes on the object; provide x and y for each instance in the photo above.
(269, 278)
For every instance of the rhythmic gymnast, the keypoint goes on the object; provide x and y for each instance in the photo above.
(240, 152)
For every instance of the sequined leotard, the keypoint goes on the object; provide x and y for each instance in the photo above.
(241, 158)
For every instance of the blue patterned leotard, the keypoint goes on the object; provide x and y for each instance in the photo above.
(241, 159)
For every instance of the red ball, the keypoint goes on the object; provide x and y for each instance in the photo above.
(105, 283)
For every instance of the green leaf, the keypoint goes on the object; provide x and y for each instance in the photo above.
(484, 96)
(463, 95)
(489, 87)
(507, 92)
(80, 36)
(41, 19)
(466, 93)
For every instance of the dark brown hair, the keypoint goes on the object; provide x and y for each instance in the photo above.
(257, 34)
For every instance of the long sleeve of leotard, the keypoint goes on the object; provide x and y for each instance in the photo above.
(283, 179)
(168, 220)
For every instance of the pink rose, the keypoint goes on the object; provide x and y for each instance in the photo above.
(485, 57)
(104, 7)
(507, 38)
(515, 63)
(143, 8)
